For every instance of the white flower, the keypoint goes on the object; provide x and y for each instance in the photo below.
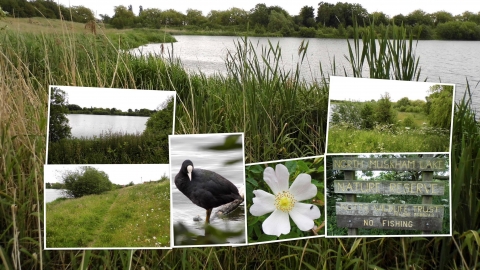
(285, 202)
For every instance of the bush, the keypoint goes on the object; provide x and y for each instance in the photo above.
(308, 32)
(85, 181)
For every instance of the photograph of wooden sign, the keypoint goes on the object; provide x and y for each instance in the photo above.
(353, 215)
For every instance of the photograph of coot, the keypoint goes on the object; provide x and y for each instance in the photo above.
(207, 189)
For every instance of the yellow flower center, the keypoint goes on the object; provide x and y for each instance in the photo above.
(284, 201)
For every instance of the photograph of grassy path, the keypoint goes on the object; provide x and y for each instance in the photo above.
(382, 116)
(106, 206)
(281, 117)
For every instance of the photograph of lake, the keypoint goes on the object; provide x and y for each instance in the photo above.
(109, 126)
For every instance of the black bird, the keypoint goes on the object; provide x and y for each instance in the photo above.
(205, 188)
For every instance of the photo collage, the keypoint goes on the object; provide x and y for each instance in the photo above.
(124, 171)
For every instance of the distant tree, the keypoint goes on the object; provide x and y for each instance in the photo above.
(194, 17)
(367, 115)
(326, 15)
(419, 17)
(399, 19)
(307, 17)
(58, 127)
(105, 18)
(140, 10)
(81, 14)
(456, 30)
(379, 18)
(48, 185)
(441, 17)
(384, 113)
(439, 105)
(122, 18)
(279, 23)
(259, 15)
(85, 181)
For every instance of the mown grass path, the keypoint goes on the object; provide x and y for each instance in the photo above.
(136, 216)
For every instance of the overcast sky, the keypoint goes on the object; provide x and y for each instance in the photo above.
(293, 7)
(118, 174)
(359, 89)
(122, 99)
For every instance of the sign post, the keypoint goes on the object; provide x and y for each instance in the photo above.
(425, 217)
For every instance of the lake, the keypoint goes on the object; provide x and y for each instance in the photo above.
(51, 195)
(184, 210)
(450, 61)
(87, 125)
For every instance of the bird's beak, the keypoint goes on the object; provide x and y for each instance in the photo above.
(190, 169)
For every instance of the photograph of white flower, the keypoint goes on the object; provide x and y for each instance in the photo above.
(281, 192)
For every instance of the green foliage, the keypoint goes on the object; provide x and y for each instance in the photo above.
(85, 181)
(308, 32)
(367, 114)
(122, 18)
(439, 106)
(409, 122)
(348, 112)
(455, 30)
(255, 181)
(384, 112)
(58, 125)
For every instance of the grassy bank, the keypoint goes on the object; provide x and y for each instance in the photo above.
(109, 148)
(136, 216)
(345, 139)
(30, 63)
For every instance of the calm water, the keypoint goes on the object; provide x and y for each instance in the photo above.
(87, 125)
(452, 61)
(51, 195)
(183, 210)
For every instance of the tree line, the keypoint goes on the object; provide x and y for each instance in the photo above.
(76, 109)
(324, 20)
(46, 8)
(274, 19)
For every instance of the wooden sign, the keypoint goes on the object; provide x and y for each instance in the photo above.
(389, 164)
(389, 187)
(401, 223)
(389, 210)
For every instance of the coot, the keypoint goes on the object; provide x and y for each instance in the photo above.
(205, 188)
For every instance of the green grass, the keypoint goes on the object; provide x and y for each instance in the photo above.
(345, 139)
(109, 148)
(136, 216)
(418, 118)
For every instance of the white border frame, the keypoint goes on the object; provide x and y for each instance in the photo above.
(324, 195)
(172, 235)
(123, 89)
(450, 183)
(92, 248)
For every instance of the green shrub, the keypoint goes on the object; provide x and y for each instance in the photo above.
(86, 181)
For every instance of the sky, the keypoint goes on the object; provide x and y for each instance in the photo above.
(293, 7)
(359, 89)
(122, 99)
(118, 174)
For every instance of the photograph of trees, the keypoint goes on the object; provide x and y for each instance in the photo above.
(377, 116)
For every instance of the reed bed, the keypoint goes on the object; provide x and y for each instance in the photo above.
(276, 126)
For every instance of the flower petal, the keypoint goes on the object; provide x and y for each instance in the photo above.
(302, 188)
(277, 223)
(276, 180)
(263, 203)
(303, 215)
